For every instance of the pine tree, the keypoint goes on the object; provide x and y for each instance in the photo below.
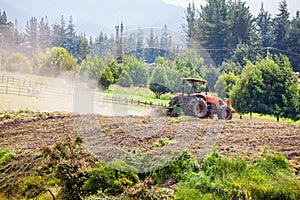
(72, 41)
(294, 42)
(119, 42)
(59, 36)
(165, 40)
(152, 40)
(282, 27)
(3, 18)
(31, 35)
(264, 27)
(83, 49)
(213, 26)
(241, 24)
(44, 33)
(190, 28)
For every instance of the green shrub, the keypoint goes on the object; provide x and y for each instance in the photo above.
(17, 62)
(5, 156)
(184, 164)
(268, 177)
(108, 180)
(125, 80)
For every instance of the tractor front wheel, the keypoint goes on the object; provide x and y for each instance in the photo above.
(198, 108)
(225, 113)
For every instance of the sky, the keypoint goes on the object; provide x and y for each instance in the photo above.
(254, 5)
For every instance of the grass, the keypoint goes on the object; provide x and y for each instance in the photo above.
(12, 102)
(267, 177)
(136, 93)
(273, 119)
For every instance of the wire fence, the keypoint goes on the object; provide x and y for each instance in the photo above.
(123, 100)
(34, 89)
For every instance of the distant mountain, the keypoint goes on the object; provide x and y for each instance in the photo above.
(93, 16)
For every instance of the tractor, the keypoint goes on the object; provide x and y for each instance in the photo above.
(194, 101)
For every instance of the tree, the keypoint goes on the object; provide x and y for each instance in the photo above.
(59, 35)
(57, 60)
(212, 28)
(73, 44)
(139, 74)
(190, 28)
(115, 69)
(165, 40)
(106, 78)
(242, 53)
(211, 76)
(119, 42)
(152, 41)
(268, 87)
(230, 66)
(225, 83)
(17, 62)
(264, 27)
(125, 80)
(92, 67)
(246, 95)
(159, 82)
(294, 42)
(44, 34)
(280, 96)
(282, 27)
(137, 70)
(98, 47)
(31, 35)
(241, 24)
(83, 48)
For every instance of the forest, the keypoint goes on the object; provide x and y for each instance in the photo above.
(222, 40)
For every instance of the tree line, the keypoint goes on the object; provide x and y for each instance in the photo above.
(228, 31)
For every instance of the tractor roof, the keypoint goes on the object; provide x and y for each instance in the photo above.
(194, 80)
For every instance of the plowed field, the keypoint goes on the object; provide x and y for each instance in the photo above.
(28, 132)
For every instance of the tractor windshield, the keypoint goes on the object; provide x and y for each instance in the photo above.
(195, 87)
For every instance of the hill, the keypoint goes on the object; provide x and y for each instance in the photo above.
(94, 16)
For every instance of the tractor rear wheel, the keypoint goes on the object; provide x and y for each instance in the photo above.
(225, 113)
(198, 107)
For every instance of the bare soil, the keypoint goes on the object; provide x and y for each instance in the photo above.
(24, 133)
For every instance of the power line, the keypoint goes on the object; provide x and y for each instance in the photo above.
(285, 51)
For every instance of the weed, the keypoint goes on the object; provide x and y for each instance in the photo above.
(5, 156)
(163, 142)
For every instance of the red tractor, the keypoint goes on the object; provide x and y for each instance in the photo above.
(193, 100)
